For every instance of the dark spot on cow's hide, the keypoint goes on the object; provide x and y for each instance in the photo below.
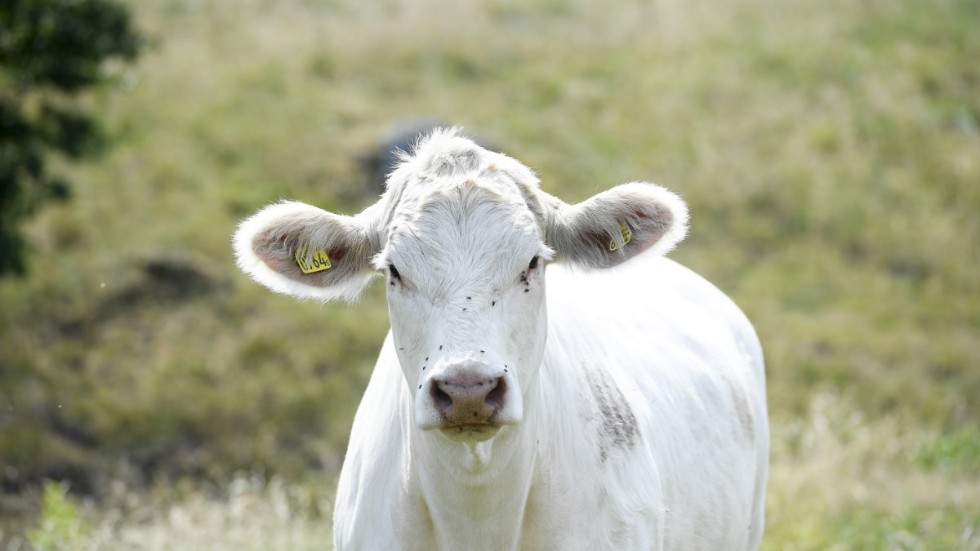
(617, 427)
(743, 411)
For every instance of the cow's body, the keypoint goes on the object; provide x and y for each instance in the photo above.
(536, 391)
(646, 430)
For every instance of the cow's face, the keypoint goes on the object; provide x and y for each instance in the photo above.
(463, 237)
(464, 259)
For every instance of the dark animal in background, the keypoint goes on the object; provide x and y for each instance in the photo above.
(400, 136)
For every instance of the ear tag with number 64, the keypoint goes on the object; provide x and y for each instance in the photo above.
(309, 263)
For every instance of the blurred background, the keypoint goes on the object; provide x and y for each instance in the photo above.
(152, 397)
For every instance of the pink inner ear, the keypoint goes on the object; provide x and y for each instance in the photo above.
(656, 223)
(647, 230)
(276, 250)
(597, 239)
(272, 247)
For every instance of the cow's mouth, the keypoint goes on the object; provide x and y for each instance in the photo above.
(470, 431)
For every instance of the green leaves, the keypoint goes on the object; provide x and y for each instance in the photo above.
(49, 51)
(61, 526)
(63, 43)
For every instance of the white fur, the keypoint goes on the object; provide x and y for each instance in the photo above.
(683, 356)
(635, 413)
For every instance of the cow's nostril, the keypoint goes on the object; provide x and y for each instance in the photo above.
(495, 398)
(441, 400)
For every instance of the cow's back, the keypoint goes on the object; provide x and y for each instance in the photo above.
(654, 385)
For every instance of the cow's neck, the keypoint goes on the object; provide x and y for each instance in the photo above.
(476, 492)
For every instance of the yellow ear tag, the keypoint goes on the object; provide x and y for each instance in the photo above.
(312, 263)
(627, 237)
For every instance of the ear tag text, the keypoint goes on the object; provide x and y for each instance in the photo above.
(318, 261)
(627, 237)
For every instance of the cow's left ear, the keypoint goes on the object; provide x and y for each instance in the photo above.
(301, 250)
(616, 225)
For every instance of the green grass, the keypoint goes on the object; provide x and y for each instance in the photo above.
(829, 151)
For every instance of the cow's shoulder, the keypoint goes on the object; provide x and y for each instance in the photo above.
(371, 501)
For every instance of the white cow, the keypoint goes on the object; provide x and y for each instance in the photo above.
(624, 408)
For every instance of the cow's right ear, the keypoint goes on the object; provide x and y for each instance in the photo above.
(300, 250)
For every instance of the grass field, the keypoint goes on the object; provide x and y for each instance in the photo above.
(829, 151)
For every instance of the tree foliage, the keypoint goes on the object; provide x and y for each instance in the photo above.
(50, 51)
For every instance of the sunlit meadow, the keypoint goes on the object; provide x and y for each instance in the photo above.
(829, 151)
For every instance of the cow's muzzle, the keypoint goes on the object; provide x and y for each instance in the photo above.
(467, 400)
(471, 399)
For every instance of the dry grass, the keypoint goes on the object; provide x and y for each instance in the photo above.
(840, 481)
(251, 513)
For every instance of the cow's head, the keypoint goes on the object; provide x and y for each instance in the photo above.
(463, 237)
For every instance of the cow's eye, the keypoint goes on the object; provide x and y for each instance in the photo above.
(394, 272)
(530, 268)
